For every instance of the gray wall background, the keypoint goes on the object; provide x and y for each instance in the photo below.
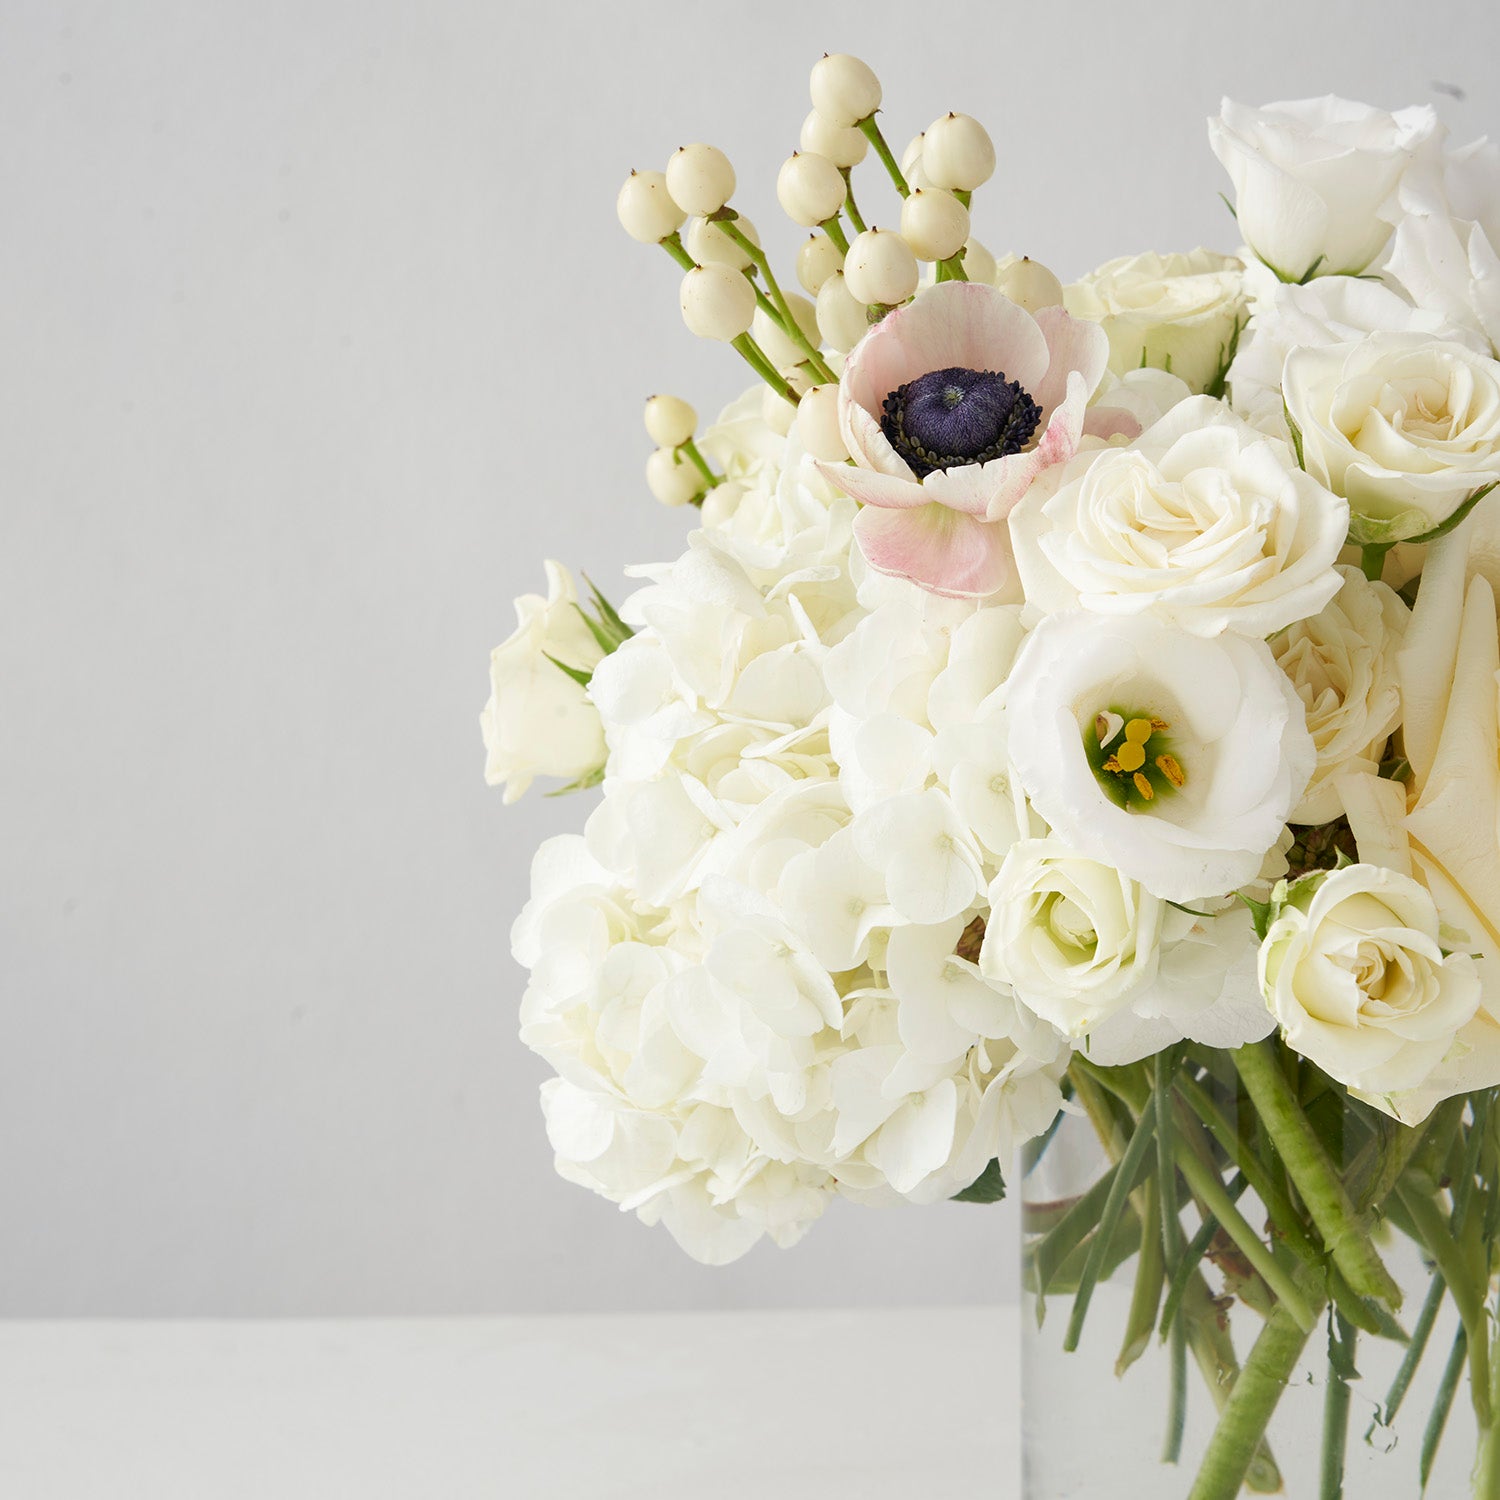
(317, 334)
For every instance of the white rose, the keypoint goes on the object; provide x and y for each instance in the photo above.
(1406, 428)
(1353, 969)
(1203, 522)
(539, 721)
(1173, 758)
(1177, 312)
(1329, 310)
(1313, 176)
(1446, 249)
(1342, 662)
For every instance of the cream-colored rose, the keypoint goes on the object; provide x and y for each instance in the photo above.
(539, 721)
(1202, 521)
(1342, 661)
(1405, 427)
(1354, 970)
(1312, 178)
(1177, 312)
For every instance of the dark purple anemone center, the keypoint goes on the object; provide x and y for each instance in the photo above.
(948, 418)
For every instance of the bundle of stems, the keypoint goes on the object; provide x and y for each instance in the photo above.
(1203, 1145)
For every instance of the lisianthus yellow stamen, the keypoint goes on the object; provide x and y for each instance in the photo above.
(1138, 731)
(1132, 754)
(1170, 768)
(1144, 787)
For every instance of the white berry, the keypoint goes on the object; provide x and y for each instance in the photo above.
(673, 480)
(818, 424)
(780, 348)
(880, 267)
(670, 421)
(843, 145)
(646, 208)
(716, 303)
(844, 90)
(817, 259)
(1029, 284)
(700, 178)
(842, 319)
(809, 188)
(979, 264)
(934, 223)
(958, 153)
(707, 243)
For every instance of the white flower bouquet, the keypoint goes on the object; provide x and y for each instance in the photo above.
(1073, 723)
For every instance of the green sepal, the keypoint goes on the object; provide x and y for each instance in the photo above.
(588, 780)
(988, 1187)
(1296, 432)
(1261, 914)
(578, 675)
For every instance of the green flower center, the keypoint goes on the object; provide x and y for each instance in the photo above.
(1133, 757)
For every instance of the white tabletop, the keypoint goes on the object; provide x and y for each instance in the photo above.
(637, 1407)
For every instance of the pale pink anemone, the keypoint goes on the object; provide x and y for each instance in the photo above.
(947, 531)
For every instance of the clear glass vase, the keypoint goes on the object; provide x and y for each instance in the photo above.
(1190, 1333)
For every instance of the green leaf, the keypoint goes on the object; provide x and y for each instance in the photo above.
(605, 642)
(608, 613)
(579, 676)
(1260, 914)
(988, 1187)
(1456, 519)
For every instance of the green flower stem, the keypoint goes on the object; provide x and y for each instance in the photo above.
(1466, 1280)
(835, 231)
(872, 134)
(952, 269)
(1209, 1187)
(781, 313)
(1336, 1410)
(690, 448)
(1442, 1404)
(1109, 1219)
(674, 247)
(1145, 1299)
(1196, 1250)
(755, 357)
(1487, 1471)
(1242, 1426)
(851, 208)
(1420, 1335)
(1314, 1174)
(1372, 560)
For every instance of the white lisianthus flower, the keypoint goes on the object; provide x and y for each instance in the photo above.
(539, 721)
(1446, 249)
(1354, 970)
(1173, 758)
(1203, 522)
(1178, 312)
(1342, 661)
(1312, 178)
(1328, 310)
(1404, 427)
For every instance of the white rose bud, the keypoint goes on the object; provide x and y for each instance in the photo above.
(780, 348)
(670, 421)
(673, 480)
(539, 721)
(844, 90)
(809, 188)
(818, 424)
(646, 208)
(842, 319)
(1405, 426)
(957, 153)
(817, 259)
(843, 145)
(1314, 177)
(700, 178)
(880, 268)
(1028, 283)
(707, 243)
(717, 303)
(979, 264)
(1353, 969)
(934, 223)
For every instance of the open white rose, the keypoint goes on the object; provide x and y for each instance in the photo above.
(1342, 662)
(1203, 521)
(1312, 178)
(1173, 758)
(1353, 968)
(1405, 427)
(1446, 249)
(1329, 310)
(539, 721)
(1176, 312)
